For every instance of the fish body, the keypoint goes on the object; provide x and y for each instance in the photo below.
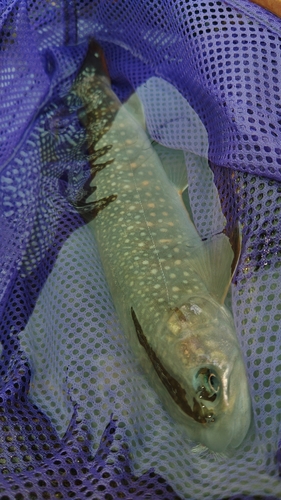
(167, 295)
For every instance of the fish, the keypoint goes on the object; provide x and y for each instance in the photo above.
(168, 286)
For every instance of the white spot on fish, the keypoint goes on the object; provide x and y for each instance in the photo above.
(196, 309)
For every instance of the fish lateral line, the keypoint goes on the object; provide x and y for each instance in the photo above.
(174, 388)
(152, 239)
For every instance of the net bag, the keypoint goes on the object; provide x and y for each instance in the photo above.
(78, 416)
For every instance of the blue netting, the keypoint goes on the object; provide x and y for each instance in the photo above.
(78, 417)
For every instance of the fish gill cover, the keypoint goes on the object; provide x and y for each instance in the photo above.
(78, 417)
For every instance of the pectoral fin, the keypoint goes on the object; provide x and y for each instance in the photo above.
(216, 262)
(173, 162)
(235, 239)
(134, 106)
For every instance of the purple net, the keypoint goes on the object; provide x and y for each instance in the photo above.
(78, 418)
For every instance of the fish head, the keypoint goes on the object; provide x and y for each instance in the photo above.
(206, 361)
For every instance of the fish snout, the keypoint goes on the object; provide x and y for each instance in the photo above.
(219, 388)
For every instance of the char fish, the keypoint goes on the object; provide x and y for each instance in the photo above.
(167, 284)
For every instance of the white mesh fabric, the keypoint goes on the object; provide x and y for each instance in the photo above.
(79, 354)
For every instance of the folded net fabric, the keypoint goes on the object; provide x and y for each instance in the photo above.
(78, 417)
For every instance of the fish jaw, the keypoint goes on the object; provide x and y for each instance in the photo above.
(234, 422)
(232, 419)
(231, 413)
(206, 362)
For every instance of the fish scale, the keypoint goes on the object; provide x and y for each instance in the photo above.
(168, 297)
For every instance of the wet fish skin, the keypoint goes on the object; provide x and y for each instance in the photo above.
(160, 276)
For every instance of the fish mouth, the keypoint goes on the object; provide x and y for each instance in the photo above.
(233, 410)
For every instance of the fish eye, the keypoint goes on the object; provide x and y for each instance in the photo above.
(207, 384)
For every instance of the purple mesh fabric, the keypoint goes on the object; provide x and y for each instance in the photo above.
(77, 417)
